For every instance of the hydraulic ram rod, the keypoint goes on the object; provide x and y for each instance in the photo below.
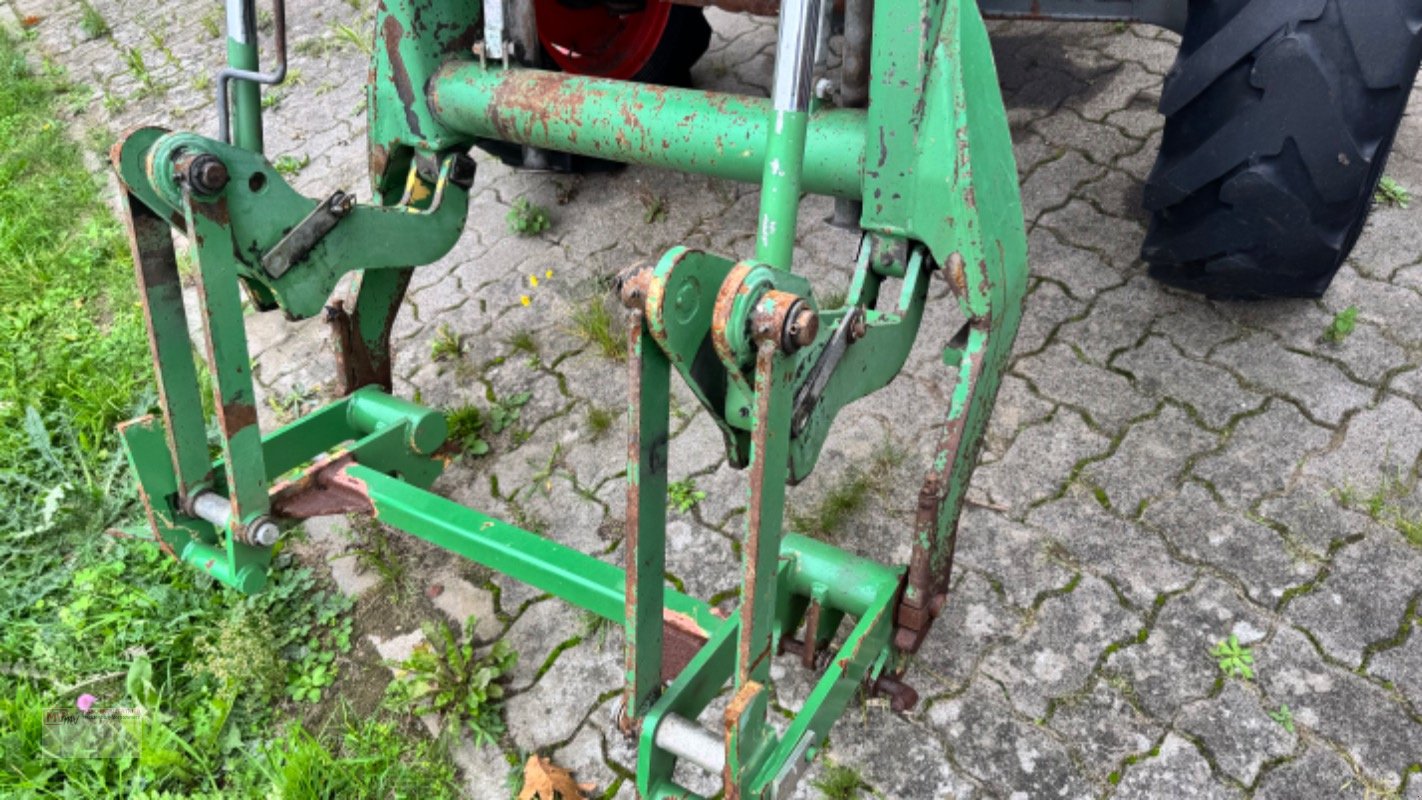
(710, 133)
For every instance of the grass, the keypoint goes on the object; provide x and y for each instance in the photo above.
(94, 616)
(840, 782)
(91, 23)
(348, 35)
(1385, 505)
(592, 321)
(1391, 193)
(845, 500)
(446, 344)
(599, 421)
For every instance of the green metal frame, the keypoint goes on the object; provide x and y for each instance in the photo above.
(931, 161)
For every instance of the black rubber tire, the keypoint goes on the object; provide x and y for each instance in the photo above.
(683, 43)
(1279, 118)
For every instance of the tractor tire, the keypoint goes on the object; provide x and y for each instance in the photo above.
(682, 44)
(1279, 118)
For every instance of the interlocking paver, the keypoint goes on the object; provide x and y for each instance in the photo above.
(1073, 658)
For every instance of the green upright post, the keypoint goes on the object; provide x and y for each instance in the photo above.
(785, 147)
(648, 415)
(242, 54)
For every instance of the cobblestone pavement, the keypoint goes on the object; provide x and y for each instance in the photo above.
(1162, 472)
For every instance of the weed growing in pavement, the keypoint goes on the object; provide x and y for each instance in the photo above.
(1235, 660)
(684, 495)
(91, 23)
(593, 322)
(469, 424)
(446, 345)
(524, 342)
(847, 498)
(1284, 716)
(599, 421)
(1342, 325)
(1391, 193)
(444, 675)
(840, 782)
(375, 552)
(291, 165)
(212, 24)
(361, 42)
(1384, 504)
(526, 218)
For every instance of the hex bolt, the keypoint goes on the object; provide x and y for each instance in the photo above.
(207, 174)
(803, 328)
(263, 532)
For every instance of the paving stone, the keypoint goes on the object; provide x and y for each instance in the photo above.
(460, 600)
(975, 620)
(1174, 667)
(1149, 459)
(1079, 224)
(1053, 183)
(1319, 772)
(1402, 666)
(1132, 558)
(1080, 270)
(1384, 741)
(1022, 561)
(1103, 729)
(1120, 317)
(898, 756)
(1364, 597)
(1314, 384)
(1159, 371)
(1060, 375)
(1262, 455)
(1046, 308)
(1314, 518)
(1197, 328)
(1009, 754)
(1251, 553)
(1380, 443)
(1017, 407)
(1039, 461)
(1178, 771)
(1237, 731)
(1060, 645)
(551, 710)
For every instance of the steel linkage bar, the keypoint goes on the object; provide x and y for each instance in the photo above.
(710, 133)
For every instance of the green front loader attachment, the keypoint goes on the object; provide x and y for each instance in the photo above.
(926, 165)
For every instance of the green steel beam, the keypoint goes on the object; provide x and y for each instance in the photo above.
(710, 133)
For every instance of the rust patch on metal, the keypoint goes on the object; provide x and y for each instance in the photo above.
(325, 489)
(633, 521)
(682, 639)
(391, 33)
(737, 709)
(913, 616)
(539, 99)
(764, 369)
(235, 416)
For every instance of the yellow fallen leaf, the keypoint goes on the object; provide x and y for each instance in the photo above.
(544, 780)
